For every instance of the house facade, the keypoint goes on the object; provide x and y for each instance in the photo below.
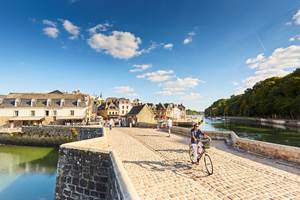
(114, 108)
(141, 114)
(17, 109)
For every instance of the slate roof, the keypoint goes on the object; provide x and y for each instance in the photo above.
(42, 98)
(135, 110)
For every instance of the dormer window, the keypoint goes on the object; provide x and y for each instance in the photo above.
(78, 102)
(48, 102)
(17, 101)
(32, 103)
(62, 103)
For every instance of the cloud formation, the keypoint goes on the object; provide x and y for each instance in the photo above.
(281, 62)
(189, 38)
(295, 38)
(71, 28)
(157, 76)
(140, 68)
(100, 28)
(190, 97)
(296, 18)
(122, 45)
(51, 30)
(168, 46)
(179, 86)
(125, 90)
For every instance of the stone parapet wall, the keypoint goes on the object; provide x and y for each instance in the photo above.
(146, 125)
(278, 151)
(50, 135)
(90, 170)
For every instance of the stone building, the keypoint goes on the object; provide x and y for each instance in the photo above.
(114, 108)
(17, 109)
(170, 110)
(141, 114)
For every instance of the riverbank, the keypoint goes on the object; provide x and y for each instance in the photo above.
(261, 121)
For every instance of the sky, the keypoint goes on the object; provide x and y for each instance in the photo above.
(192, 52)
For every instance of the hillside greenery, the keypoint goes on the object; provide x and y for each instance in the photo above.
(192, 112)
(272, 98)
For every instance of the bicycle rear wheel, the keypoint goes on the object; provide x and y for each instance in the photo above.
(191, 153)
(208, 164)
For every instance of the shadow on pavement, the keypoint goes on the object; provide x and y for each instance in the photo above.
(184, 169)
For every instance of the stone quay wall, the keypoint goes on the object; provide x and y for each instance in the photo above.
(254, 120)
(50, 135)
(90, 170)
(284, 152)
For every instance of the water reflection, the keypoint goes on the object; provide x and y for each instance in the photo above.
(265, 132)
(27, 172)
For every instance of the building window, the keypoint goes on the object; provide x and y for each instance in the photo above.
(123, 112)
(16, 113)
(127, 107)
(47, 113)
(72, 112)
(122, 107)
(32, 113)
(54, 112)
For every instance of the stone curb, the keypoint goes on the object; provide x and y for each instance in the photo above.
(126, 187)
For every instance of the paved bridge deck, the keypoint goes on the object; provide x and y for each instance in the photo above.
(159, 168)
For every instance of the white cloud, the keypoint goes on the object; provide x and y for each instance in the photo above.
(152, 46)
(51, 32)
(191, 97)
(71, 28)
(189, 39)
(280, 63)
(168, 46)
(125, 90)
(140, 68)
(122, 45)
(295, 38)
(157, 76)
(100, 27)
(235, 83)
(179, 86)
(49, 23)
(296, 17)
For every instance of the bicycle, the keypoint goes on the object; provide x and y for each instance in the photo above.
(207, 160)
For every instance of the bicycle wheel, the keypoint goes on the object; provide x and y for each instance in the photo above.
(208, 164)
(191, 153)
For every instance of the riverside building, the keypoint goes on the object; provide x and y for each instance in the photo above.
(18, 109)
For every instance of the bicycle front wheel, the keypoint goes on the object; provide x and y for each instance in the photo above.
(208, 164)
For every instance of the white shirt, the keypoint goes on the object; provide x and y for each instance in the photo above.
(170, 123)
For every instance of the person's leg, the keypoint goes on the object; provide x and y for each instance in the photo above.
(195, 152)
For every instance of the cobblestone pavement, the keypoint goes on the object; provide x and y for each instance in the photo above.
(159, 168)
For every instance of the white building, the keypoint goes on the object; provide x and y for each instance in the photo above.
(18, 109)
(124, 106)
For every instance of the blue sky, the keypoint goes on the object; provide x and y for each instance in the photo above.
(192, 52)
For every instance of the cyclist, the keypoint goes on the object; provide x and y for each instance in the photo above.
(196, 135)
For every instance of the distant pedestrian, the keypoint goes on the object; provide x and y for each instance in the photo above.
(169, 125)
(111, 123)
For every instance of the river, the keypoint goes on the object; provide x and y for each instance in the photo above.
(267, 133)
(27, 173)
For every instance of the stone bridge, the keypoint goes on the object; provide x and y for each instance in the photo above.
(159, 168)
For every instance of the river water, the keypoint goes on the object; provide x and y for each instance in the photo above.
(27, 173)
(264, 132)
